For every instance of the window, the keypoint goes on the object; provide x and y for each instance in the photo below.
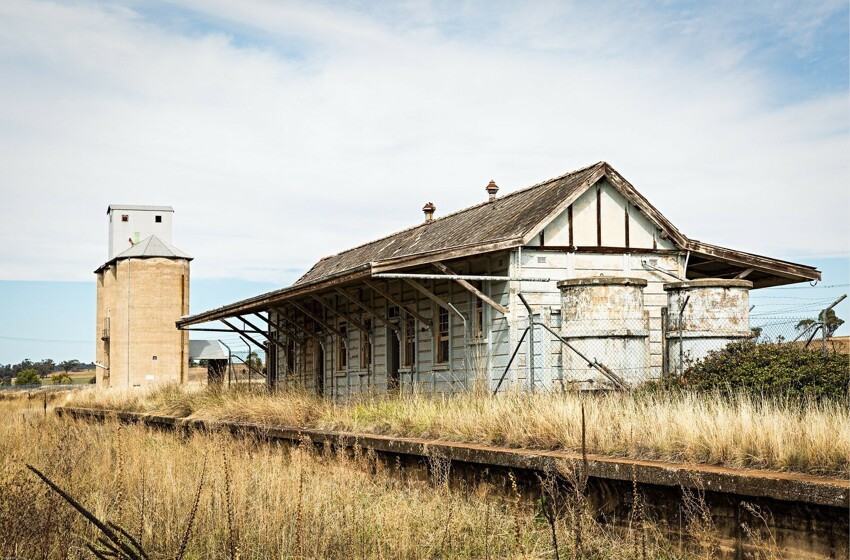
(366, 345)
(290, 355)
(125, 218)
(409, 341)
(443, 337)
(157, 219)
(477, 317)
(342, 347)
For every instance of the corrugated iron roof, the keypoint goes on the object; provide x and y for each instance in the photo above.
(507, 217)
(138, 207)
(152, 246)
(206, 350)
(148, 247)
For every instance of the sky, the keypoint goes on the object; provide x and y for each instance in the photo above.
(282, 132)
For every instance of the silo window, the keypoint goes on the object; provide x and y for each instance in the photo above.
(125, 218)
(158, 219)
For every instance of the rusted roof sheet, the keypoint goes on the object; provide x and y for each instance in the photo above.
(508, 217)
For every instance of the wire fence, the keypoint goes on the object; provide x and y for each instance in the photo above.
(44, 387)
(605, 352)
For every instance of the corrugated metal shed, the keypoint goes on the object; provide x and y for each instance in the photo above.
(206, 350)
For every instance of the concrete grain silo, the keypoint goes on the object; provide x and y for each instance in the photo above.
(142, 289)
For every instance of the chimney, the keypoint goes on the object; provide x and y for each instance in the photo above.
(429, 210)
(492, 188)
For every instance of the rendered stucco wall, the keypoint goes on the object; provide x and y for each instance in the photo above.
(138, 301)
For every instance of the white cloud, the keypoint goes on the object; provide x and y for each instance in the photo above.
(332, 127)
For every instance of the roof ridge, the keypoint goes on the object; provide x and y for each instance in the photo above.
(462, 210)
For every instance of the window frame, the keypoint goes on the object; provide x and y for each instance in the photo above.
(408, 358)
(478, 326)
(290, 355)
(342, 346)
(442, 339)
(366, 345)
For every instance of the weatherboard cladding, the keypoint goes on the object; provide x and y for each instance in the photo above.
(508, 217)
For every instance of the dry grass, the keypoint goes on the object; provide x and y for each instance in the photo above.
(741, 431)
(266, 501)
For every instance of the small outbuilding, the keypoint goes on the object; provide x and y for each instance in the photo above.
(213, 355)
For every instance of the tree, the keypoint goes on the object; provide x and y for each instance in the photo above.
(69, 365)
(60, 379)
(254, 361)
(27, 377)
(26, 364)
(46, 366)
(786, 370)
(832, 322)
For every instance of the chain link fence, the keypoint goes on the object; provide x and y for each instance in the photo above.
(554, 355)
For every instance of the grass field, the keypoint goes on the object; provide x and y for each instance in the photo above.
(743, 431)
(215, 496)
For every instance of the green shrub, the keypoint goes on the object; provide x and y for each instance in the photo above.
(787, 370)
(60, 378)
(27, 377)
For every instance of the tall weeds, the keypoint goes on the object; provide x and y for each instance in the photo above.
(269, 501)
(737, 431)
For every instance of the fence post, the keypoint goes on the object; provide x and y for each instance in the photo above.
(531, 347)
(681, 367)
(530, 358)
(665, 358)
(823, 315)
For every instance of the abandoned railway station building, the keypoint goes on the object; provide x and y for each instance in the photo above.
(575, 282)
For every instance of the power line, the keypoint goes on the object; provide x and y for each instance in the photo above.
(46, 340)
(812, 287)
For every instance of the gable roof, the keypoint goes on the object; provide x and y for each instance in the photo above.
(507, 218)
(509, 221)
(149, 247)
(513, 219)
